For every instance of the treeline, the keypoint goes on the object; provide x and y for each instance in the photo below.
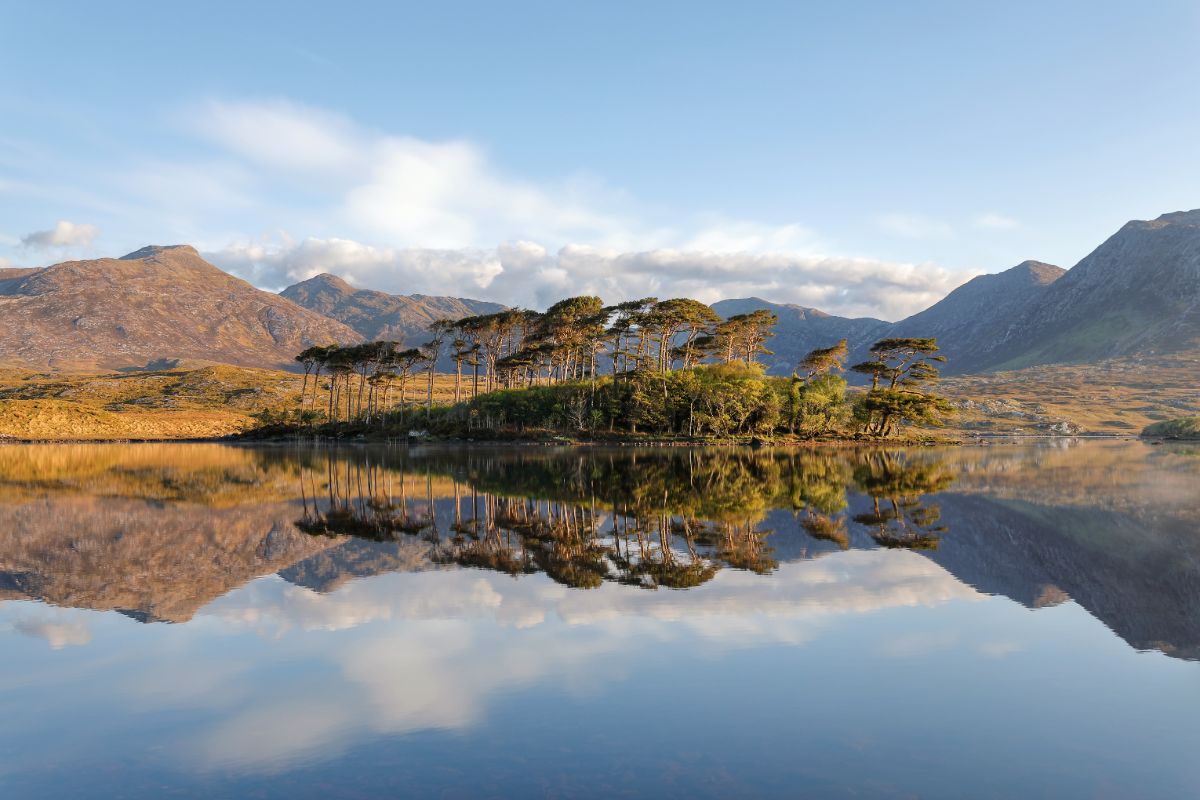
(669, 367)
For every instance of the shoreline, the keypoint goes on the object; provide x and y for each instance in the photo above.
(541, 441)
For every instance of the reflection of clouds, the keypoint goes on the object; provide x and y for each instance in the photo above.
(273, 673)
(422, 651)
(1000, 649)
(272, 606)
(273, 734)
(53, 628)
(915, 645)
(854, 582)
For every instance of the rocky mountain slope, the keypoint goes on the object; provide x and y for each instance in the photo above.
(1138, 294)
(154, 306)
(978, 319)
(379, 315)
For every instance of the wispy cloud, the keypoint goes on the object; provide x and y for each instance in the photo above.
(994, 222)
(915, 226)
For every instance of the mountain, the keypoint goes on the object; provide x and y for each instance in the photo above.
(972, 324)
(981, 317)
(379, 315)
(1137, 294)
(156, 305)
(801, 330)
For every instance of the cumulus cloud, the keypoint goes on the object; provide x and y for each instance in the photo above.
(528, 274)
(63, 234)
(425, 194)
(405, 214)
(56, 633)
(994, 222)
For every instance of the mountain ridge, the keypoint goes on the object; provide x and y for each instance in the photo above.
(377, 315)
(154, 305)
(1136, 294)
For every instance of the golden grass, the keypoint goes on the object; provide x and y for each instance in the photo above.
(183, 403)
(1114, 397)
(1120, 396)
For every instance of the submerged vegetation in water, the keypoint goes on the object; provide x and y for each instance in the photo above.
(661, 368)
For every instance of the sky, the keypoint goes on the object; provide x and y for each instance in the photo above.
(863, 158)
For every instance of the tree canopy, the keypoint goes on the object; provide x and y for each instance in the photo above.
(666, 367)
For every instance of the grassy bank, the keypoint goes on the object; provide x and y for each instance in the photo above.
(207, 402)
(1185, 428)
(1118, 397)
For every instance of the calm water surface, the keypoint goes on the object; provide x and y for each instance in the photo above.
(206, 621)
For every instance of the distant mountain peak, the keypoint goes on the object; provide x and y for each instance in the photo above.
(154, 305)
(378, 315)
(1039, 271)
(152, 250)
(327, 280)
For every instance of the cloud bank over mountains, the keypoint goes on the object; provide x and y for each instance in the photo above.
(528, 274)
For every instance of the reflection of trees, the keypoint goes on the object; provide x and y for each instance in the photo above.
(647, 518)
(898, 516)
(364, 499)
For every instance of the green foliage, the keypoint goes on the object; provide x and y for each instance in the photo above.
(901, 372)
(719, 400)
(820, 404)
(1183, 428)
(541, 371)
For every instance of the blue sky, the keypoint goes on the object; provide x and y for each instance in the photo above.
(860, 157)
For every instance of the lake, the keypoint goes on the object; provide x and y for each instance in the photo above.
(204, 620)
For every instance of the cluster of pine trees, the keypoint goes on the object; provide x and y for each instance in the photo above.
(652, 366)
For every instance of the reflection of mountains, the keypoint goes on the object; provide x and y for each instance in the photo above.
(652, 520)
(357, 558)
(151, 561)
(1140, 577)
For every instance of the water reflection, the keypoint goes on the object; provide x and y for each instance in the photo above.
(158, 531)
(671, 519)
(334, 597)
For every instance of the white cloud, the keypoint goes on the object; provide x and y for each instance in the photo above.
(404, 214)
(63, 234)
(529, 274)
(740, 236)
(55, 632)
(401, 189)
(915, 226)
(994, 222)
(388, 269)
(443, 632)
